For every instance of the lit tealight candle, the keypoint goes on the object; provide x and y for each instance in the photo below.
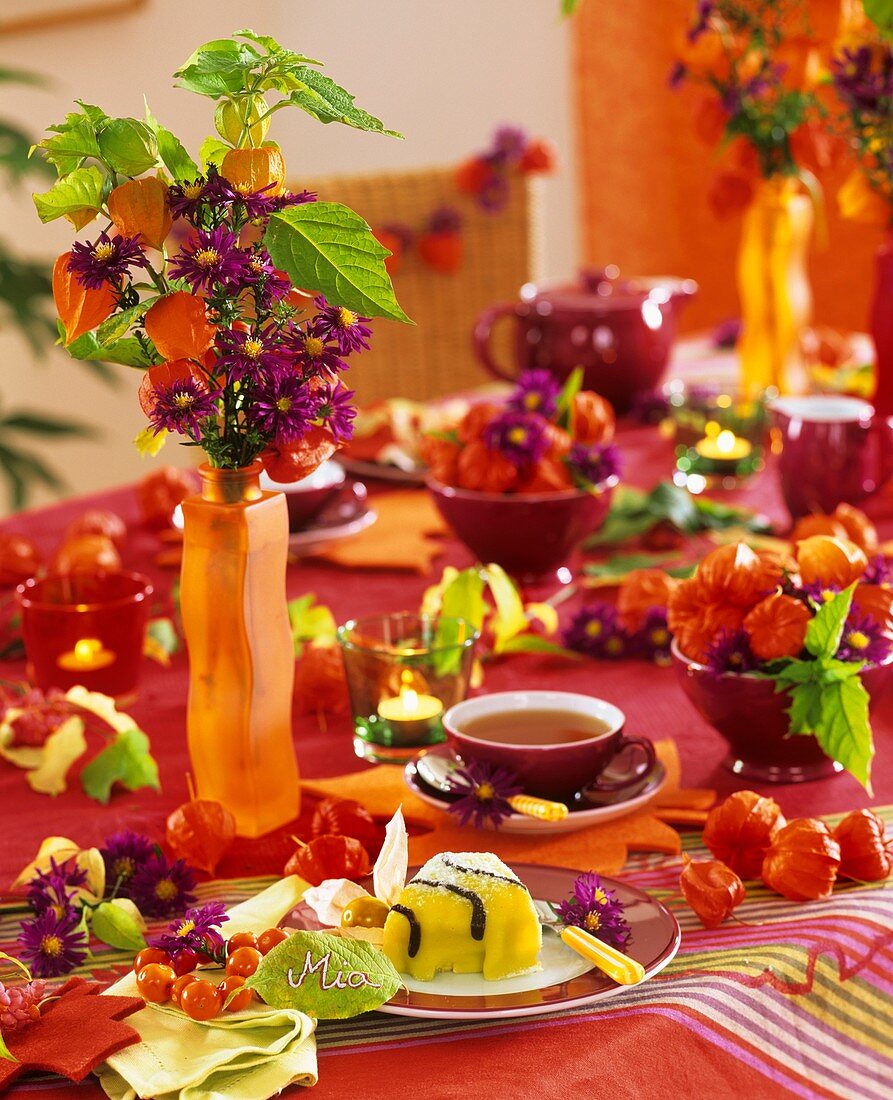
(87, 655)
(724, 447)
(411, 713)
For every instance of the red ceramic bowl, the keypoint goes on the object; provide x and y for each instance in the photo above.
(305, 499)
(753, 719)
(531, 535)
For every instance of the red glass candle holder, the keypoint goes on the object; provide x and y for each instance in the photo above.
(85, 628)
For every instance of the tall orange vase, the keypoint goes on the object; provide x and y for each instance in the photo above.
(241, 655)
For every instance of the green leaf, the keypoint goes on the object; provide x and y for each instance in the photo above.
(572, 386)
(127, 761)
(212, 151)
(126, 352)
(805, 710)
(116, 927)
(71, 146)
(676, 505)
(310, 622)
(327, 101)
(163, 635)
(794, 671)
(174, 157)
(78, 197)
(44, 425)
(618, 565)
(324, 976)
(844, 731)
(218, 68)
(825, 628)
(463, 598)
(325, 246)
(535, 643)
(880, 12)
(128, 146)
(112, 328)
(5, 1052)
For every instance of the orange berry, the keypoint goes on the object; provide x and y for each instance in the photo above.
(266, 941)
(179, 985)
(243, 961)
(150, 955)
(154, 982)
(240, 939)
(200, 1000)
(241, 999)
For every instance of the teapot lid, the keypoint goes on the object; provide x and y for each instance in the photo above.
(603, 290)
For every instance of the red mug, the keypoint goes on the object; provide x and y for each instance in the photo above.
(558, 770)
(834, 449)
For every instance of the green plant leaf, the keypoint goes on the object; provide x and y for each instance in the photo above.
(127, 761)
(5, 1052)
(825, 628)
(794, 671)
(535, 643)
(212, 151)
(509, 618)
(173, 156)
(126, 352)
(78, 197)
(117, 927)
(163, 635)
(463, 598)
(114, 327)
(805, 710)
(618, 565)
(325, 246)
(880, 12)
(128, 146)
(572, 386)
(324, 976)
(310, 622)
(218, 68)
(327, 101)
(71, 145)
(844, 731)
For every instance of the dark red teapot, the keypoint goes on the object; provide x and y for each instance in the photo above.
(621, 331)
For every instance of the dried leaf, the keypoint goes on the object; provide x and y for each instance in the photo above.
(60, 750)
(59, 848)
(389, 872)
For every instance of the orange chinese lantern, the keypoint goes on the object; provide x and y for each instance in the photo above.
(865, 852)
(737, 575)
(165, 374)
(591, 419)
(642, 590)
(876, 601)
(486, 470)
(549, 475)
(287, 462)
(178, 326)
(86, 554)
(857, 527)
(712, 889)
(818, 524)
(740, 830)
(140, 207)
(160, 491)
(251, 170)
(441, 456)
(777, 626)
(830, 561)
(79, 309)
(19, 559)
(559, 441)
(696, 620)
(98, 521)
(802, 862)
(472, 424)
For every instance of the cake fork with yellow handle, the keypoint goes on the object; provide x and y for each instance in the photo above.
(620, 967)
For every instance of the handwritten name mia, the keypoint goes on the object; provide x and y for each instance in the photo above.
(353, 979)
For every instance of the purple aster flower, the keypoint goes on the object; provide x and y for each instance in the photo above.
(593, 463)
(290, 198)
(350, 331)
(878, 571)
(726, 333)
(730, 652)
(261, 352)
(819, 593)
(51, 944)
(212, 258)
(283, 407)
(123, 854)
(493, 193)
(198, 930)
(509, 143)
(336, 411)
(105, 260)
(485, 792)
(262, 275)
(183, 406)
(537, 392)
(702, 19)
(863, 639)
(185, 199)
(520, 436)
(54, 889)
(863, 76)
(653, 637)
(445, 219)
(596, 631)
(596, 909)
(317, 356)
(159, 888)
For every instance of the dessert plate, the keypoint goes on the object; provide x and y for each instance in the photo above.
(383, 471)
(580, 817)
(565, 981)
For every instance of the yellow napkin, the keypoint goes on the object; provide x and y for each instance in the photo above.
(247, 1055)
(399, 539)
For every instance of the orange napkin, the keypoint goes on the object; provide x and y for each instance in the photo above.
(399, 539)
(603, 848)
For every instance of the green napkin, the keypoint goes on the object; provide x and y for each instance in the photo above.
(247, 1055)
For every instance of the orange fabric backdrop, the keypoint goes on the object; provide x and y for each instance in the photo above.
(644, 174)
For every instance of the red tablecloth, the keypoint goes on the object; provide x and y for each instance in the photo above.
(624, 1056)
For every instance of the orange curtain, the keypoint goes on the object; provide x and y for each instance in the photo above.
(644, 174)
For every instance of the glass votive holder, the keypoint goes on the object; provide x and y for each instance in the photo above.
(85, 628)
(403, 672)
(719, 433)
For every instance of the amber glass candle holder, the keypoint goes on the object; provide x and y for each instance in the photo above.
(85, 628)
(403, 672)
(719, 433)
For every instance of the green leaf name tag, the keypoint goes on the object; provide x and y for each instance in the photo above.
(325, 976)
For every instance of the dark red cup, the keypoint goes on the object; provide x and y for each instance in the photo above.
(305, 499)
(553, 771)
(834, 449)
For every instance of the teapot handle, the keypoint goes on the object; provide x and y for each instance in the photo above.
(483, 328)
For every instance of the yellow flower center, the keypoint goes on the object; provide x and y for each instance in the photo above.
(185, 927)
(600, 896)
(166, 890)
(103, 252)
(313, 346)
(192, 190)
(283, 404)
(660, 636)
(485, 792)
(123, 868)
(253, 347)
(827, 595)
(207, 257)
(51, 945)
(532, 401)
(517, 435)
(183, 400)
(346, 317)
(613, 645)
(244, 188)
(593, 628)
(858, 640)
(592, 922)
(255, 265)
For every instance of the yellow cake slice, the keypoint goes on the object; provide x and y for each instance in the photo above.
(466, 912)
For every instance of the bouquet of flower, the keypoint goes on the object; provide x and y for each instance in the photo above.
(754, 60)
(862, 72)
(239, 299)
(545, 438)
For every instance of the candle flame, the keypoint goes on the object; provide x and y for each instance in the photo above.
(410, 701)
(86, 649)
(725, 441)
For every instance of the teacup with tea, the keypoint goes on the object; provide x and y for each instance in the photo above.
(557, 743)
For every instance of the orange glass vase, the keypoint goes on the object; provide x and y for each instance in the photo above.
(241, 654)
(773, 286)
